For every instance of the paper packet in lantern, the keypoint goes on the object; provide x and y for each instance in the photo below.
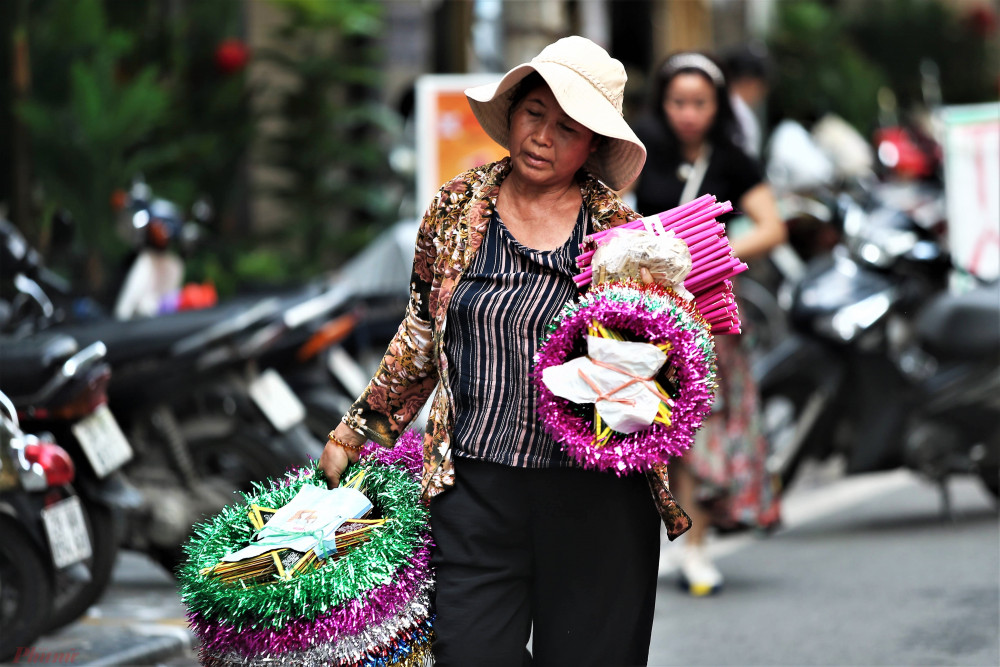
(616, 376)
(308, 522)
(624, 252)
(364, 599)
(641, 409)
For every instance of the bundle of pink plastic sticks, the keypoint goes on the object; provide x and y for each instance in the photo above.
(712, 259)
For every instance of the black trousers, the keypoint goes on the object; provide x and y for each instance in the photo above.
(569, 556)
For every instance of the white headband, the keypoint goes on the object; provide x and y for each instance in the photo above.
(698, 62)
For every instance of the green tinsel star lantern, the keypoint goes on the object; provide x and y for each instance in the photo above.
(366, 603)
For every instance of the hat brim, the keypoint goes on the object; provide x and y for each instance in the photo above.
(619, 159)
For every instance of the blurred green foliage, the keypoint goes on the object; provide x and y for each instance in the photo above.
(89, 123)
(160, 89)
(819, 70)
(832, 59)
(901, 34)
(332, 109)
(210, 125)
(126, 89)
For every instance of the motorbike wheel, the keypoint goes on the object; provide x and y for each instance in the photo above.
(25, 588)
(206, 499)
(990, 477)
(783, 409)
(72, 598)
(239, 453)
(762, 318)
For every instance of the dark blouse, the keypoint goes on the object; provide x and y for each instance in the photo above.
(731, 172)
(499, 310)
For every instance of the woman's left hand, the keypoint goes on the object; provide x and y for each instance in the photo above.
(335, 458)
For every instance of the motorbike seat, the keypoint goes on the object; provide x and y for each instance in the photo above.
(962, 327)
(136, 340)
(27, 364)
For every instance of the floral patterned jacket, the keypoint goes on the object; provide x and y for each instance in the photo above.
(450, 233)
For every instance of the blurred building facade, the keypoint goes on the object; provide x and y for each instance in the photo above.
(443, 36)
(457, 36)
(217, 109)
(464, 36)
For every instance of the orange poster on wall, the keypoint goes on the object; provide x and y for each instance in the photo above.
(449, 138)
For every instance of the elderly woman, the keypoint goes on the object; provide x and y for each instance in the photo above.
(527, 543)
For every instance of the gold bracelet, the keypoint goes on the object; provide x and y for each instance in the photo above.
(343, 445)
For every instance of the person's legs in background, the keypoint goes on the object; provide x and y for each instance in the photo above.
(698, 574)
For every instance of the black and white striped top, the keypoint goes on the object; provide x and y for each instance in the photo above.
(498, 312)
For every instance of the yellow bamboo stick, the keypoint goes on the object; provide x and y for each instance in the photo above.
(278, 564)
(355, 481)
(609, 333)
(663, 392)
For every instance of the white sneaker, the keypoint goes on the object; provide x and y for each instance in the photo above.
(699, 576)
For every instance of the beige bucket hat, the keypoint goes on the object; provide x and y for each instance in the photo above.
(589, 85)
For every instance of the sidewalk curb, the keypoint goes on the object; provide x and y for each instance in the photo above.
(126, 645)
(146, 651)
(153, 643)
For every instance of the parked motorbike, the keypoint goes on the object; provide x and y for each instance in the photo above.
(807, 179)
(309, 330)
(42, 530)
(159, 236)
(60, 389)
(203, 417)
(885, 365)
(31, 296)
(332, 333)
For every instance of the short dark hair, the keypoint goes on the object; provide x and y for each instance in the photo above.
(521, 90)
(749, 61)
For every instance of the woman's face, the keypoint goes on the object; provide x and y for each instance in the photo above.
(690, 106)
(547, 147)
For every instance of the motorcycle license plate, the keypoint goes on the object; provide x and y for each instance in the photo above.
(67, 532)
(277, 400)
(103, 442)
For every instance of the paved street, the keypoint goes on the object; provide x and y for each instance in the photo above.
(864, 572)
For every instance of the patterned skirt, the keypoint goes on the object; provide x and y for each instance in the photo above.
(730, 450)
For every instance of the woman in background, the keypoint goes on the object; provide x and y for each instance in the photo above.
(693, 142)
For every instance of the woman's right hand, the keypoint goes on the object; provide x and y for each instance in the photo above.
(646, 276)
(335, 458)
